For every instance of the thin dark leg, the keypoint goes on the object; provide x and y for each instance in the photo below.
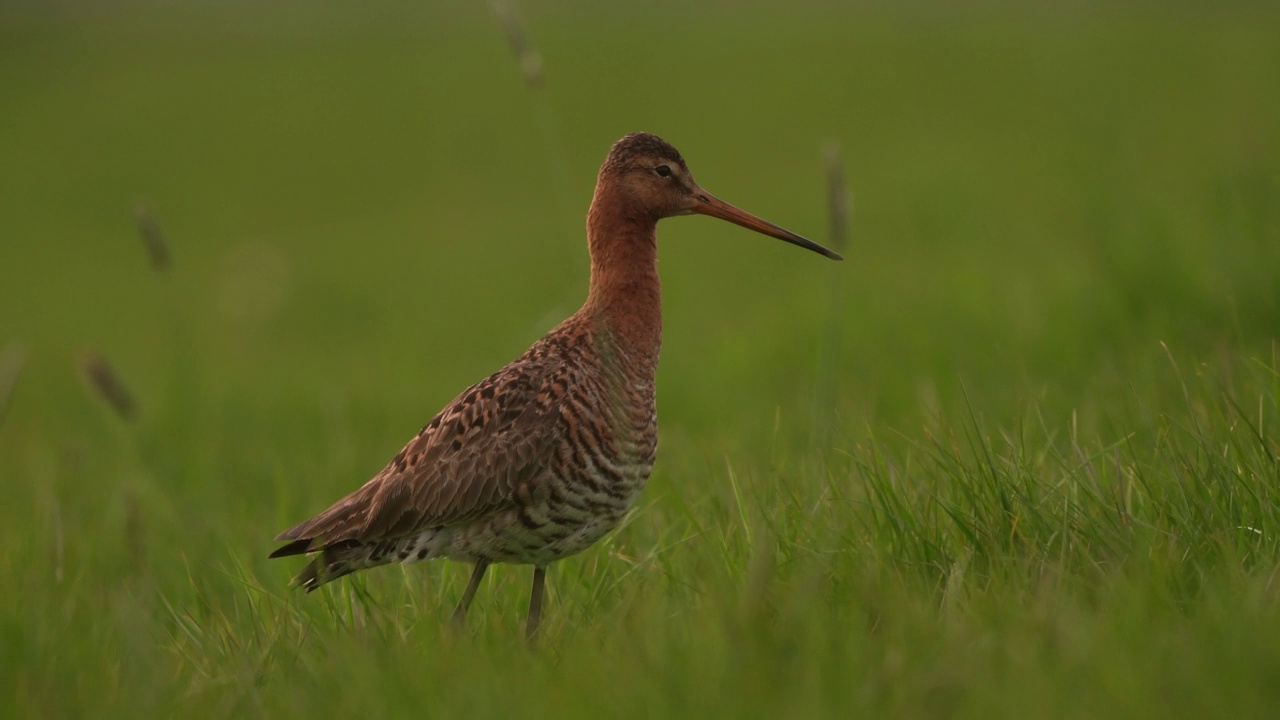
(460, 613)
(535, 603)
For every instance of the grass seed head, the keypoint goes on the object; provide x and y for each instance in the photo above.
(107, 384)
(153, 238)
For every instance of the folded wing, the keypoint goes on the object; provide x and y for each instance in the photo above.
(466, 464)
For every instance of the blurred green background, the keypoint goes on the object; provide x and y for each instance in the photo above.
(1041, 181)
(1060, 209)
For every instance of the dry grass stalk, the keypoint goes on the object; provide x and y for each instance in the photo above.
(838, 207)
(134, 531)
(838, 200)
(528, 57)
(12, 361)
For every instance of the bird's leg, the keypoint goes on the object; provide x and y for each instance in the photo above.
(535, 603)
(460, 613)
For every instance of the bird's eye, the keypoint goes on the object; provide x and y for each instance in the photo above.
(663, 170)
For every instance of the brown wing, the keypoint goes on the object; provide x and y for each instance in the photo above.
(466, 463)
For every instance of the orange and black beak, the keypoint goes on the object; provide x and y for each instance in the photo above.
(707, 204)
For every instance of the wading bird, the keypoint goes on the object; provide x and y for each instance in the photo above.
(544, 457)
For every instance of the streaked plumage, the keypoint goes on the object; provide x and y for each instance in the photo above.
(544, 457)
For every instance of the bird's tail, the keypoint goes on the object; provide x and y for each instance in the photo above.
(345, 557)
(330, 564)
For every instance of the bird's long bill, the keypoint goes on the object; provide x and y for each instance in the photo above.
(708, 204)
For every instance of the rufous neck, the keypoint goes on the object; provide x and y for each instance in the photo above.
(625, 297)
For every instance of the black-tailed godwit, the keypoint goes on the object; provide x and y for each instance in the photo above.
(544, 457)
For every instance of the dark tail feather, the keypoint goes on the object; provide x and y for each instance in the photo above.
(297, 547)
(320, 571)
(331, 563)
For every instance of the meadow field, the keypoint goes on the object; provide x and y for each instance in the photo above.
(1015, 457)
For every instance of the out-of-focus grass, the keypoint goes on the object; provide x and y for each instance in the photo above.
(1050, 488)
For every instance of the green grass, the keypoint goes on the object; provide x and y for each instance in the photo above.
(1041, 479)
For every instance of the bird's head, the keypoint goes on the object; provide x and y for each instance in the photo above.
(649, 178)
